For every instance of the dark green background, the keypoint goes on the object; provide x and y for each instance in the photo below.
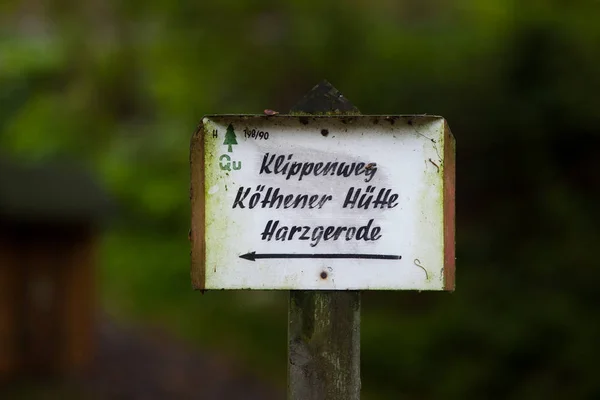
(121, 85)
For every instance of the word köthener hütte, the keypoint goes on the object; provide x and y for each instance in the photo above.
(362, 198)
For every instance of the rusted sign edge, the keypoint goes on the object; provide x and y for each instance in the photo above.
(198, 217)
(449, 208)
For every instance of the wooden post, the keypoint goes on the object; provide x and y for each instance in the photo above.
(324, 326)
(324, 323)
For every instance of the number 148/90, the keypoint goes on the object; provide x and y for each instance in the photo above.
(254, 134)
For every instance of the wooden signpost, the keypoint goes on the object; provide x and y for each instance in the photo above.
(323, 202)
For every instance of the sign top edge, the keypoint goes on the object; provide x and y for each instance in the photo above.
(333, 116)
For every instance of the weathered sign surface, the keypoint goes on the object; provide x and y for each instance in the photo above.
(323, 202)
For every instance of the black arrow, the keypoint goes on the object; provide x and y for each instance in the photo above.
(252, 256)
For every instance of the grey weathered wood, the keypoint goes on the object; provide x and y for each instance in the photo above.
(324, 326)
(324, 345)
(324, 99)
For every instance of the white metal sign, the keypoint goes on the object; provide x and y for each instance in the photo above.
(307, 202)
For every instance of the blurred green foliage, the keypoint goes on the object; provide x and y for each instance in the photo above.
(120, 86)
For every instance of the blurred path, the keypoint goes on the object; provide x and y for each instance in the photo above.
(135, 364)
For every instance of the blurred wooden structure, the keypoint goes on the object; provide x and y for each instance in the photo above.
(49, 218)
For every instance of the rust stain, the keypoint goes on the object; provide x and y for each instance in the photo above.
(449, 208)
(196, 233)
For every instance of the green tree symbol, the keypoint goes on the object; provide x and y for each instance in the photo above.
(230, 138)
